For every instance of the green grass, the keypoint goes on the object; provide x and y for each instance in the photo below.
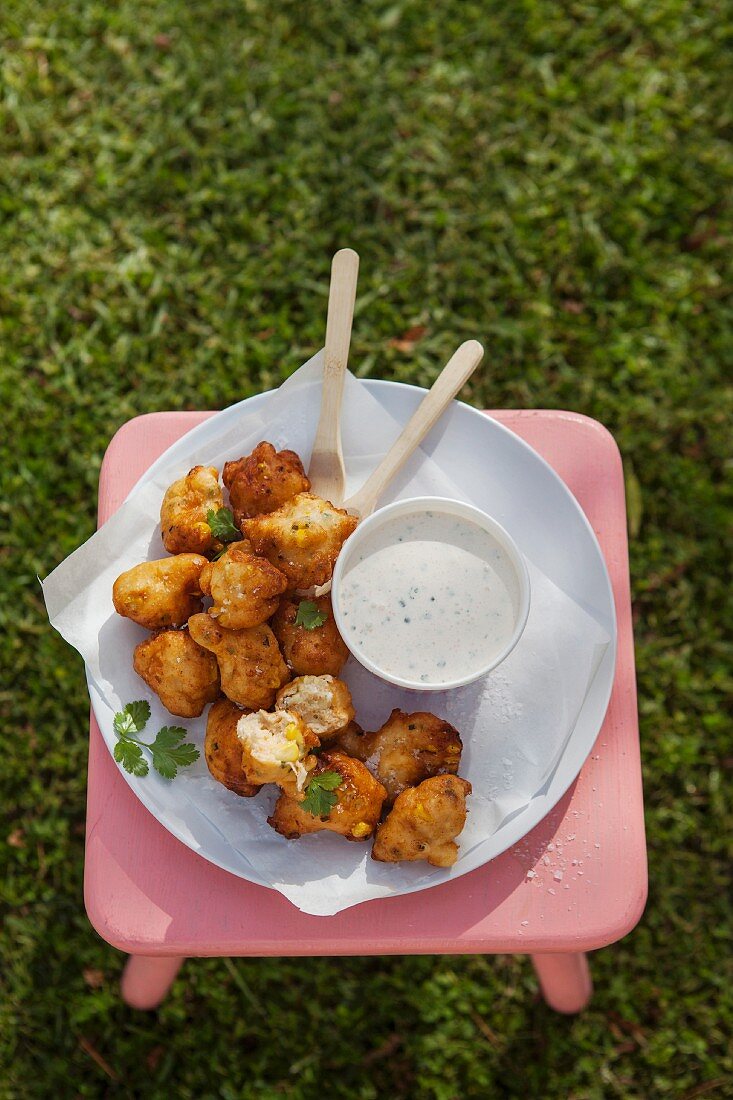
(550, 177)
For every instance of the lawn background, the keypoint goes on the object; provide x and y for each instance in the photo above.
(550, 177)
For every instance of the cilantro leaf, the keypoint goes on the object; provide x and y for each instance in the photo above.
(222, 525)
(132, 718)
(319, 795)
(167, 736)
(131, 757)
(168, 754)
(309, 616)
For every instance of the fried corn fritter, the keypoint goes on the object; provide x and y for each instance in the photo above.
(309, 652)
(424, 822)
(355, 814)
(275, 748)
(183, 513)
(223, 749)
(263, 481)
(323, 703)
(245, 588)
(406, 750)
(351, 741)
(179, 671)
(251, 665)
(159, 594)
(302, 538)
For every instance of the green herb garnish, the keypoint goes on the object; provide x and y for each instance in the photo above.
(319, 794)
(222, 525)
(133, 719)
(166, 751)
(131, 757)
(169, 754)
(309, 616)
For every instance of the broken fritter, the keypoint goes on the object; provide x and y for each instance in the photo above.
(323, 702)
(263, 481)
(424, 822)
(183, 513)
(179, 671)
(223, 749)
(302, 538)
(250, 663)
(309, 650)
(406, 750)
(355, 813)
(275, 748)
(159, 594)
(245, 588)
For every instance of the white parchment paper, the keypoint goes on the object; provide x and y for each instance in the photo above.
(515, 723)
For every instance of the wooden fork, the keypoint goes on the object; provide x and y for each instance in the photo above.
(455, 373)
(326, 470)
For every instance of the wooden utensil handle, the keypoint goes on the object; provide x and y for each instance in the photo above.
(344, 274)
(456, 372)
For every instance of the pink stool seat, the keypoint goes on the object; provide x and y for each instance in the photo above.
(576, 882)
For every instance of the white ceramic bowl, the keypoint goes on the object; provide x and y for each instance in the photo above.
(446, 507)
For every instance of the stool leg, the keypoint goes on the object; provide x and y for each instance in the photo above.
(565, 980)
(146, 979)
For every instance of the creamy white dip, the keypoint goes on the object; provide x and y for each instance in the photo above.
(430, 597)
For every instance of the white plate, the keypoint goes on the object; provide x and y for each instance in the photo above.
(542, 515)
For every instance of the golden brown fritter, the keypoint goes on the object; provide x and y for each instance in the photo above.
(178, 670)
(302, 538)
(351, 741)
(223, 749)
(276, 749)
(424, 822)
(263, 481)
(183, 512)
(245, 588)
(159, 594)
(323, 703)
(251, 665)
(309, 652)
(354, 816)
(407, 749)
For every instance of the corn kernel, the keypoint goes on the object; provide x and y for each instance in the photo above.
(300, 537)
(290, 753)
(291, 732)
(361, 828)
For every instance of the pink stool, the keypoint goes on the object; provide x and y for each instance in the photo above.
(575, 883)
